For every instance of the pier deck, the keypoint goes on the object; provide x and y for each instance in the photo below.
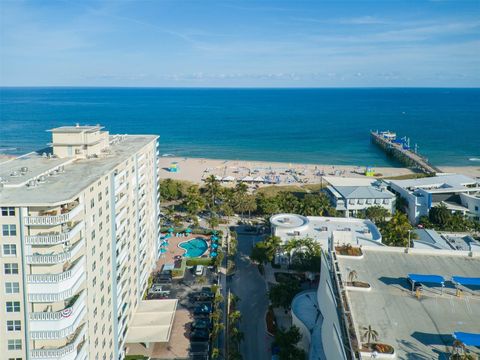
(406, 156)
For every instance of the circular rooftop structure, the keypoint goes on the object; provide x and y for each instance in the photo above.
(289, 221)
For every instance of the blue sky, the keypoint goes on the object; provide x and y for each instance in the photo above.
(240, 43)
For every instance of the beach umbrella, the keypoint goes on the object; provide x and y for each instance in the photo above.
(163, 250)
(164, 243)
(188, 230)
(170, 230)
(213, 254)
(214, 238)
(214, 246)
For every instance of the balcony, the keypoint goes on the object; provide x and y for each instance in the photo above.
(56, 283)
(51, 259)
(122, 255)
(58, 325)
(71, 351)
(121, 201)
(51, 218)
(57, 287)
(55, 238)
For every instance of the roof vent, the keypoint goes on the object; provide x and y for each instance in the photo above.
(44, 155)
(42, 179)
(32, 184)
(24, 169)
(14, 174)
(61, 169)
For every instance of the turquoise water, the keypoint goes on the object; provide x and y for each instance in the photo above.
(323, 126)
(194, 248)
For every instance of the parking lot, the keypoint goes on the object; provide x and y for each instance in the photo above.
(190, 337)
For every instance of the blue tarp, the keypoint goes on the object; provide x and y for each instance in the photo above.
(436, 279)
(468, 339)
(466, 280)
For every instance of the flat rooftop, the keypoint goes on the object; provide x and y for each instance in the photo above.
(76, 129)
(443, 181)
(77, 174)
(288, 226)
(416, 328)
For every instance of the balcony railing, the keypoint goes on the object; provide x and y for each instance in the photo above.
(67, 352)
(60, 278)
(51, 259)
(69, 312)
(41, 293)
(54, 238)
(57, 329)
(54, 219)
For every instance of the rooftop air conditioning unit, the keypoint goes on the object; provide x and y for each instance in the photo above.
(14, 174)
(24, 169)
(42, 179)
(32, 183)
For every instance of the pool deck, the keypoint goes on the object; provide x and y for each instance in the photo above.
(173, 249)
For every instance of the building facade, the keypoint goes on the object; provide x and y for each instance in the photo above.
(79, 239)
(458, 193)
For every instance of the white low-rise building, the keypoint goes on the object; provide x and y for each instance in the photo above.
(459, 193)
(328, 231)
(351, 196)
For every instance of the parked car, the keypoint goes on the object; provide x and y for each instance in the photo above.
(199, 269)
(159, 289)
(199, 335)
(201, 324)
(199, 348)
(202, 296)
(203, 309)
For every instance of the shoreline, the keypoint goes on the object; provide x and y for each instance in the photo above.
(195, 169)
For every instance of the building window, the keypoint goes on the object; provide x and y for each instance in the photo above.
(8, 211)
(15, 344)
(99, 196)
(14, 358)
(9, 250)
(9, 230)
(10, 269)
(12, 288)
(14, 325)
(476, 208)
(92, 203)
(13, 306)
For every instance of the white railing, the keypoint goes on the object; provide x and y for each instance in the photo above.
(54, 238)
(120, 202)
(66, 352)
(50, 259)
(62, 314)
(55, 219)
(42, 297)
(142, 177)
(120, 187)
(50, 334)
(120, 215)
(71, 273)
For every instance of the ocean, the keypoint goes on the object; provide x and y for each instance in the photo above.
(319, 126)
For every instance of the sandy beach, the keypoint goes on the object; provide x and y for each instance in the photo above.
(196, 169)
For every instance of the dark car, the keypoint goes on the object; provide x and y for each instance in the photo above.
(199, 348)
(202, 309)
(202, 296)
(201, 324)
(199, 335)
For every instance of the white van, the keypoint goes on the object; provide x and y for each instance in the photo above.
(199, 270)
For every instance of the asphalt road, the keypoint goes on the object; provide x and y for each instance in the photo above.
(250, 287)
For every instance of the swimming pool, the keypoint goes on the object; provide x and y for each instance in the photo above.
(194, 248)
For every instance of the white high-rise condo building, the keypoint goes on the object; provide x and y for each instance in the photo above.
(79, 238)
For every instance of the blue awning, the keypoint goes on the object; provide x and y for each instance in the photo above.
(466, 280)
(468, 339)
(435, 279)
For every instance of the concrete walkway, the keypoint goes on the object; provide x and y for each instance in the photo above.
(250, 287)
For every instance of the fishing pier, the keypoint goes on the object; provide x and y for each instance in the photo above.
(400, 149)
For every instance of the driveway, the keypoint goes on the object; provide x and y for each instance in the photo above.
(250, 287)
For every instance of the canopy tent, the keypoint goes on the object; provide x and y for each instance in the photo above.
(465, 281)
(259, 179)
(218, 178)
(468, 339)
(228, 178)
(247, 179)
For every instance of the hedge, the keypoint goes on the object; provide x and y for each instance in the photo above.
(200, 261)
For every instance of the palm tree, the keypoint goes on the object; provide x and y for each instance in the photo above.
(370, 334)
(352, 276)
(234, 317)
(212, 189)
(397, 231)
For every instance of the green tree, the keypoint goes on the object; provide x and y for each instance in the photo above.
(401, 204)
(264, 251)
(440, 215)
(396, 232)
(376, 213)
(282, 294)
(193, 202)
(267, 205)
(314, 205)
(211, 191)
(287, 341)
